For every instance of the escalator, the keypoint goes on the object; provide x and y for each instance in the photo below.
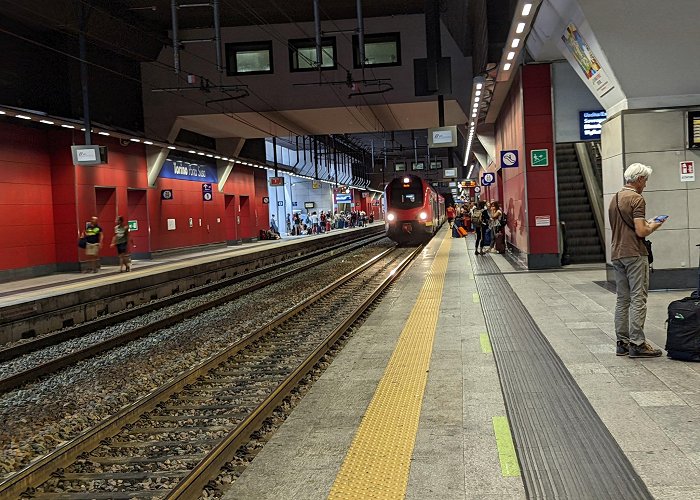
(581, 231)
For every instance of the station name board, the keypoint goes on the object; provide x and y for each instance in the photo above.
(590, 124)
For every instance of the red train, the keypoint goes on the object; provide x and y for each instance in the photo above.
(413, 210)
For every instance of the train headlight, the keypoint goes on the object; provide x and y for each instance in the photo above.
(423, 216)
(406, 180)
(390, 217)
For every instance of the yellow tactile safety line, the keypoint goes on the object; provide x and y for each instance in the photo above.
(379, 458)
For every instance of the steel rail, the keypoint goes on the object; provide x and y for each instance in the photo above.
(43, 468)
(20, 378)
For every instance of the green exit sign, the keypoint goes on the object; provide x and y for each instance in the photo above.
(133, 225)
(539, 158)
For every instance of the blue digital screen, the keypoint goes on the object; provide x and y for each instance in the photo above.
(590, 124)
(343, 198)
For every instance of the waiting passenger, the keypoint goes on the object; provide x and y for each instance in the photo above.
(93, 235)
(121, 241)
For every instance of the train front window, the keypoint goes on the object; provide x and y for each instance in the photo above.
(411, 197)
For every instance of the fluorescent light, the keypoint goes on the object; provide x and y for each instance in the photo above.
(474, 114)
(476, 105)
(526, 9)
(135, 140)
(172, 147)
(506, 66)
(510, 55)
(148, 142)
(209, 155)
(217, 157)
(520, 28)
(192, 151)
(23, 117)
(2, 113)
(516, 42)
(479, 85)
(48, 122)
(200, 153)
(478, 92)
(103, 133)
(67, 126)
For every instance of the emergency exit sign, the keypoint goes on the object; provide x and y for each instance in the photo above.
(133, 225)
(539, 158)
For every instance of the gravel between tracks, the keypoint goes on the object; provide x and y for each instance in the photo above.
(45, 414)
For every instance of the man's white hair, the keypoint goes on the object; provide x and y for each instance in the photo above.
(636, 171)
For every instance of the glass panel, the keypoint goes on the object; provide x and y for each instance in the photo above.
(418, 166)
(252, 60)
(307, 56)
(406, 197)
(434, 165)
(400, 167)
(381, 53)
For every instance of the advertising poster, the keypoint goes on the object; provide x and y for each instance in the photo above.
(586, 60)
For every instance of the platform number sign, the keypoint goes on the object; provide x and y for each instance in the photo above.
(166, 194)
(207, 192)
(509, 158)
(487, 179)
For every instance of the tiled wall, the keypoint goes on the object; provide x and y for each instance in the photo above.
(658, 139)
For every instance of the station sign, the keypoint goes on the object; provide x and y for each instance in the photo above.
(266, 200)
(449, 172)
(442, 137)
(207, 192)
(184, 169)
(166, 194)
(89, 155)
(467, 184)
(487, 179)
(509, 158)
(590, 124)
(343, 198)
(276, 181)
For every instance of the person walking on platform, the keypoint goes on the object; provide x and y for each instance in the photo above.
(450, 215)
(93, 235)
(630, 259)
(121, 241)
(479, 213)
(273, 226)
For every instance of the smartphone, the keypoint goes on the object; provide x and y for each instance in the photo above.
(660, 218)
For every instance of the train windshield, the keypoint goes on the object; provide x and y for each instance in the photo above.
(407, 197)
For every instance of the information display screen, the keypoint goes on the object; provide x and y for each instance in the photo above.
(694, 129)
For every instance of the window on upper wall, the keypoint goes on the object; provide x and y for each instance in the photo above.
(302, 54)
(399, 167)
(434, 165)
(249, 58)
(383, 49)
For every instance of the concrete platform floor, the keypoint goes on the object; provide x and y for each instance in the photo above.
(652, 407)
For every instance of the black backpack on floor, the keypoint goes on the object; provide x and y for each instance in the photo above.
(683, 328)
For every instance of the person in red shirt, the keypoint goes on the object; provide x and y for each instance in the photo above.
(450, 215)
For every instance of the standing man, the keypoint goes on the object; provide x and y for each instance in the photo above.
(630, 260)
(273, 225)
(93, 243)
(450, 215)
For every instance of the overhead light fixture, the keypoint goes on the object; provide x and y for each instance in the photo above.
(172, 147)
(103, 133)
(477, 99)
(506, 66)
(48, 122)
(526, 9)
(520, 28)
(2, 113)
(192, 151)
(135, 140)
(477, 93)
(479, 85)
(516, 42)
(23, 117)
(67, 126)
(148, 142)
(510, 55)
(200, 153)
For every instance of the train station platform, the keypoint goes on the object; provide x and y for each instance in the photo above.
(473, 379)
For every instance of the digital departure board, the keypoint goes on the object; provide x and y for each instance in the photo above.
(694, 129)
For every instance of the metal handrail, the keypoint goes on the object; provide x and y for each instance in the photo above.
(593, 190)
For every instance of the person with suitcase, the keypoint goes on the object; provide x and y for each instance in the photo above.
(630, 260)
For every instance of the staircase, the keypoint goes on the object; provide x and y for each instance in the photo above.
(582, 241)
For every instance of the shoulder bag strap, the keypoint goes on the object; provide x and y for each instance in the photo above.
(617, 202)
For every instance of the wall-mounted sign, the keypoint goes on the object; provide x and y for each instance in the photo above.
(694, 129)
(133, 225)
(207, 192)
(687, 171)
(171, 224)
(477, 189)
(295, 203)
(509, 158)
(309, 204)
(539, 158)
(487, 179)
(276, 181)
(442, 137)
(343, 198)
(542, 220)
(315, 185)
(166, 194)
(280, 203)
(590, 124)
(467, 184)
(266, 200)
(188, 170)
(449, 172)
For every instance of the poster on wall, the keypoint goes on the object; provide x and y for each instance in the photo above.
(587, 61)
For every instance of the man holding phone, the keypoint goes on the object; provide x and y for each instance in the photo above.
(630, 260)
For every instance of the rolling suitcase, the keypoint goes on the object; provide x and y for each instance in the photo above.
(683, 328)
(500, 243)
(462, 232)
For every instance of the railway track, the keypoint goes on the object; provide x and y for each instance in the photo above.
(175, 439)
(267, 275)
